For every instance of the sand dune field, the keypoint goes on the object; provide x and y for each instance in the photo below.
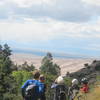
(66, 65)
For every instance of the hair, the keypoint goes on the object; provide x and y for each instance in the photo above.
(36, 74)
(42, 77)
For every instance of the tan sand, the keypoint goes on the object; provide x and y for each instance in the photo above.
(66, 65)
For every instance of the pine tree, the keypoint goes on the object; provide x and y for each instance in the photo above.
(48, 66)
(25, 66)
(7, 82)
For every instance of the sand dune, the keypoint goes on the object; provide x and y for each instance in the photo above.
(71, 65)
(66, 65)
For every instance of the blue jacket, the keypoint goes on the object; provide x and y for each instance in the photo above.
(39, 90)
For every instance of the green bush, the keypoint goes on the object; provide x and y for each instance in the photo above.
(21, 77)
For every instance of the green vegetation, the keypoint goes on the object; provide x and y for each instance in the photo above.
(21, 76)
(26, 67)
(48, 67)
(8, 85)
(13, 76)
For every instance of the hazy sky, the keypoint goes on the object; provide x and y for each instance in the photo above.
(69, 26)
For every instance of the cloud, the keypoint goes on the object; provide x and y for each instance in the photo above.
(94, 48)
(28, 3)
(46, 29)
(29, 30)
(72, 24)
(50, 34)
(73, 10)
(92, 2)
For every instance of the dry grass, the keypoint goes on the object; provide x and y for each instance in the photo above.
(94, 94)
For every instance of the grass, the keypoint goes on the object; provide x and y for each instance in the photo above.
(94, 93)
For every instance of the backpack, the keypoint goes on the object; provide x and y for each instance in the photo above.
(73, 91)
(31, 91)
(59, 93)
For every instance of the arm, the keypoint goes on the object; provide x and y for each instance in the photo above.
(25, 84)
(23, 88)
(53, 85)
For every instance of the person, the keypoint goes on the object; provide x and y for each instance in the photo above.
(73, 90)
(85, 87)
(43, 85)
(32, 95)
(83, 90)
(60, 90)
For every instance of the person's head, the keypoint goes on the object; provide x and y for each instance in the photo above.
(74, 82)
(60, 80)
(36, 74)
(42, 78)
(84, 81)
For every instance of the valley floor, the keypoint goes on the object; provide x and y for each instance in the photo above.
(66, 65)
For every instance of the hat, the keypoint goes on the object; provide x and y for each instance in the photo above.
(74, 81)
(60, 80)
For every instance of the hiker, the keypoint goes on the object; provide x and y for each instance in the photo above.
(30, 89)
(73, 90)
(43, 85)
(85, 87)
(83, 90)
(60, 90)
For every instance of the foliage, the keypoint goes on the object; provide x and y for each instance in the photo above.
(8, 85)
(67, 81)
(26, 67)
(48, 66)
(21, 76)
(94, 94)
(12, 76)
(98, 78)
(49, 80)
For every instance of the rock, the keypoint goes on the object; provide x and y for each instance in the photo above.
(89, 71)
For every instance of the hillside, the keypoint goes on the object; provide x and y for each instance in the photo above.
(92, 73)
(66, 64)
(94, 94)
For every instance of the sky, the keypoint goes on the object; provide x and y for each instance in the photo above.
(66, 26)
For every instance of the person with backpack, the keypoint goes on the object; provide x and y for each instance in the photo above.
(85, 87)
(59, 89)
(32, 88)
(83, 90)
(43, 85)
(73, 90)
